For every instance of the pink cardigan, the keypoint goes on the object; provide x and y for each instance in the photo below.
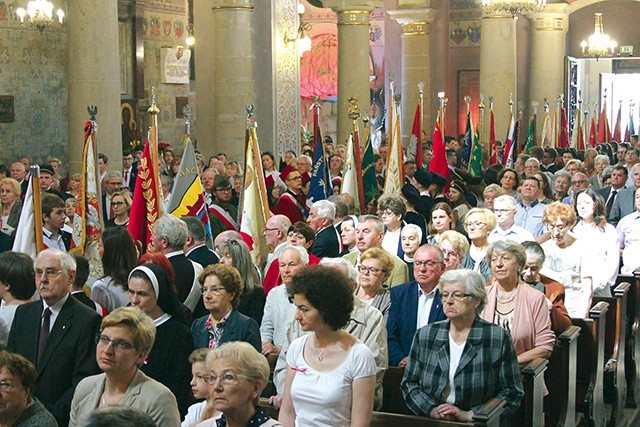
(531, 326)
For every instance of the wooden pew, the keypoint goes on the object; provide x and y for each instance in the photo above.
(632, 348)
(615, 387)
(590, 362)
(270, 388)
(487, 416)
(393, 400)
(533, 384)
(560, 377)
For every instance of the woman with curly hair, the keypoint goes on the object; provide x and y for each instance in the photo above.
(119, 257)
(330, 376)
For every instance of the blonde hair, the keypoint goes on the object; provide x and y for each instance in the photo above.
(380, 255)
(140, 324)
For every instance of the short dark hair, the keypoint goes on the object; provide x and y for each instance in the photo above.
(50, 202)
(104, 158)
(82, 271)
(19, 367)
(118, 416)
(329, 291)
(16, 271)
(304, 229)
(126, 152)
(229, 279)
(621, 168)
(195, 228)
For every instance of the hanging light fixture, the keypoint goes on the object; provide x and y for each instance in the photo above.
(514, 7)
(598, 44)
(190, 40)
(40, 13)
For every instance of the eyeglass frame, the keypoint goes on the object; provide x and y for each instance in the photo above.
(117, 345)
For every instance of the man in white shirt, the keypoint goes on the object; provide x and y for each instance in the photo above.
(629, 236)
(505, 209)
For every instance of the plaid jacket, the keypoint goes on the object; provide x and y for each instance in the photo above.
(488, 368)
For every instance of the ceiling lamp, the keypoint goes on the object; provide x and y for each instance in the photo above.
(599, 44)
(514, 7)
(40, 13)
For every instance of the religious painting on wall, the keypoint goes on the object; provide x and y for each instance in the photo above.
(130, 123)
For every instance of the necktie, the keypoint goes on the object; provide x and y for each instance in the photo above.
(610, 201)
(126, 178)
(44, 332)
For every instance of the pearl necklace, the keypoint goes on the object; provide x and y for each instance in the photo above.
(507, 300)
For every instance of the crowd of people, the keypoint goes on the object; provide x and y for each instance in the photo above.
(459, 281)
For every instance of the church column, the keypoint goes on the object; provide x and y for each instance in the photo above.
(498, 67)
(415, 62)
(548, 46)
(353, 58)
(93, 77)
(203, 130)
(233, 74)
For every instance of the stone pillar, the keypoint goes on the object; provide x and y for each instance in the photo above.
(415, 63)
(203, 130)
(94, 77)
(548, 47)
(353, 58)
(233, 74)
(498, 68)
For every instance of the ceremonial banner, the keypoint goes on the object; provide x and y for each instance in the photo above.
(416, 138)
(187, 196)
(510, 143)
(593, 133)
(563, 135)
(254, 209)
(145, 207)
(577, 137)
(604, 132)
(320, 187)
(545, 135)
(465, 154)
(28, 238)
(616, 129)
(369, 183)
(394, 179)
(439, 161)
(350, 173)
(475, 165)
(531, 134)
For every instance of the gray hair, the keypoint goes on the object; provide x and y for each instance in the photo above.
(534, 250)
(602, 158)
(510, 246)
(304, 255)
(413, 227)
(506, 199)
(394, 203)
(173, 229)
(112, 174)
(472, 281)
(326, 209)
(378, 224)
(166, 179)
(67, 262)
(562, 173)
(342, 263)
(195, 228)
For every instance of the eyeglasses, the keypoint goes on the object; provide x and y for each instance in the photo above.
(118, 203)
(385, 213)
(501, 211)
(474, 225)
(456, 296)
(5, 386)
(50, 273)
(227, 378)
(295, 178)
(448, 254)
(215, 291)
(117, 345)
(369, 270)
(428, 264)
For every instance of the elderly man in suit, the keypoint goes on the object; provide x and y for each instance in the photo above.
(195, 248)
(369, 234)
(56, 333)
(619, 176)
(327, 242)
(415, 304)
(624, 203)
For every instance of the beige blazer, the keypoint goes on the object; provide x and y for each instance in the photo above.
(144, 393)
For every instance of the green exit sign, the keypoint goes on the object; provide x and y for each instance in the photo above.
(626, 50)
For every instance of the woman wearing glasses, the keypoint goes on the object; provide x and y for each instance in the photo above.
(125, 340)
(373, 271)
(564, 259)
(454, 247)
(238, 374)
(121, 205)
(330, 377)
(450, 390)
(168, 361)
(515, 306)
(478, 224)
(221, 290)
(391, 209)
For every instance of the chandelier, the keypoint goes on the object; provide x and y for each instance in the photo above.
(514, 7)
(40, 13)
(599, 44)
